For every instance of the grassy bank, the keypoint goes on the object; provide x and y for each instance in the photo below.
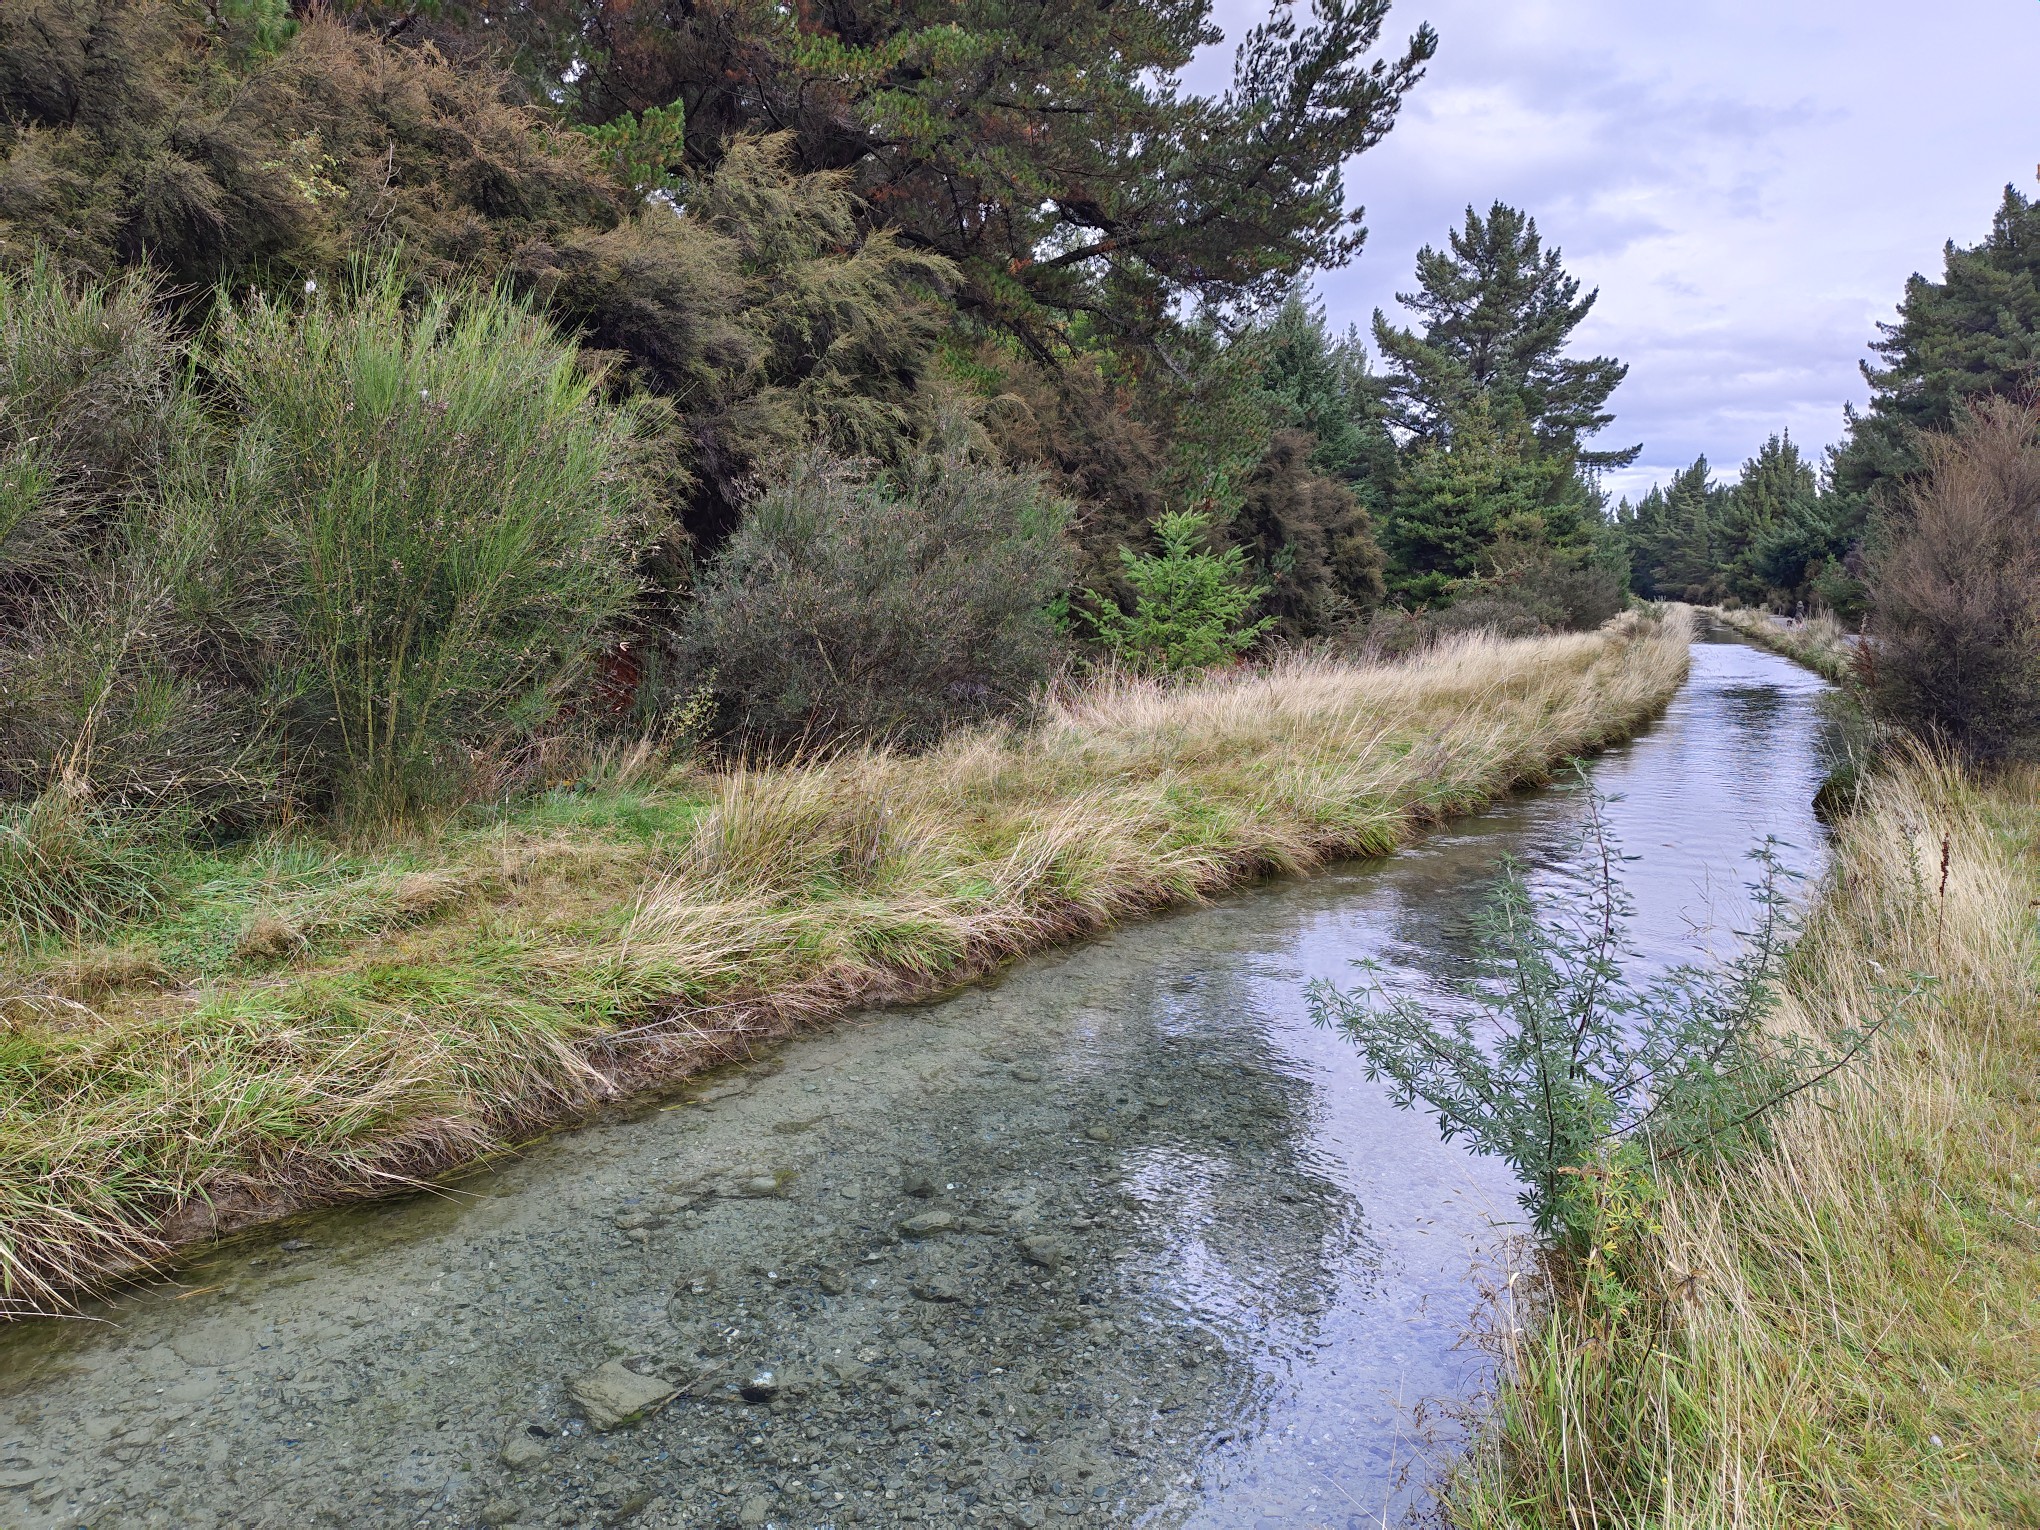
(297, 1019)
(1844, 1330)
(1819, 642)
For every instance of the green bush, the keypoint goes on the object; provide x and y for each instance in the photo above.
(1555, 1058)
(849, 607)
(1190, 604)
(447, 518)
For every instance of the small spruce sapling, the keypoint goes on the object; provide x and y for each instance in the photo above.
(1190, 604)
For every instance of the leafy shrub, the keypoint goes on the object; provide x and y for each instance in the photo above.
(1190, 604)
(1955, 592)
(849, 607)
(1555, 1059)
(111, 683)
(449, 520)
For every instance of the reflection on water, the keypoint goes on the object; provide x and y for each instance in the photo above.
(1118, 1239)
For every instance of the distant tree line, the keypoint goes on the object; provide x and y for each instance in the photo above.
(1922, 525)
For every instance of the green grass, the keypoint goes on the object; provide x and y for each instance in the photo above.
(297, 1019)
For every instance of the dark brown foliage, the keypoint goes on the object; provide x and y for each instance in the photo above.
(139, 132)
(1955, 590)
(1313, 538)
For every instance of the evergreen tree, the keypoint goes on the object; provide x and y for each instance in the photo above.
(1323, 385)
(1498, 310)
(1462, 492)
(1050, 151)
(1673, 538)
(1310, 540)
(1975, 332)
(1777, 488)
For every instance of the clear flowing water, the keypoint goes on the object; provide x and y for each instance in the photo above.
(1118, 1238)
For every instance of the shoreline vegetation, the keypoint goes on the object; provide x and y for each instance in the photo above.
(302, 1020)
(1841, 1327)
(1819, 642)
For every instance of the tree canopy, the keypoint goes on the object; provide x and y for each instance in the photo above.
(1050, 151)
(1497, 311)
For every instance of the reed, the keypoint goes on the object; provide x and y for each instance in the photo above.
(302, 1021)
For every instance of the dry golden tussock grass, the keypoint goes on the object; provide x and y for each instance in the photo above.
(316, 1026)
(1844, 1329)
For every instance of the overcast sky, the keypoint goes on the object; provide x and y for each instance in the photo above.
(1748, 182)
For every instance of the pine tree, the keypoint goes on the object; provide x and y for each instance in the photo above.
(1778, 487)
(1461, 493)
(1975, 332)
(1673, 538)
(1498, 310)
(1049, 150)
(1324, 385)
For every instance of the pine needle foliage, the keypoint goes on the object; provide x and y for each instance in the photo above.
(1190, 604)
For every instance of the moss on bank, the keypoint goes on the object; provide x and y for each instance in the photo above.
(298, 1020)
(1845, 1329)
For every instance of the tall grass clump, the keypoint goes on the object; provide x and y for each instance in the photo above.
(451, 519)
(850, 607)
(1837, 1327)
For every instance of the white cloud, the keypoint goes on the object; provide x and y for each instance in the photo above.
(1747, 182)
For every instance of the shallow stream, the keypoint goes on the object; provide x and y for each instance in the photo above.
(1118, 1238)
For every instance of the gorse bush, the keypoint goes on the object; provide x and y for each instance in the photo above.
(450, 519)
(1190, 604)
(848, 606)
(1955, 591)
(1559, 1061)
(115, 645)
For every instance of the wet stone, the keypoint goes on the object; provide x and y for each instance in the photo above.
(938, 1286)
(929, 1224)
(521, 1448)
(613, 1396)
(216, 1344)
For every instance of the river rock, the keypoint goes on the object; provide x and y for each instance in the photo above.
(1098, 1133)
(501, 1511)
(1027, 1074)
(1038, 1248)
(918, 1183)
(612, 1395)
(754, 1511)
(929, 1224)
(215, 1344)
(832, 1280)
(938, 1286)
(521, 1448)
(761, 1388)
